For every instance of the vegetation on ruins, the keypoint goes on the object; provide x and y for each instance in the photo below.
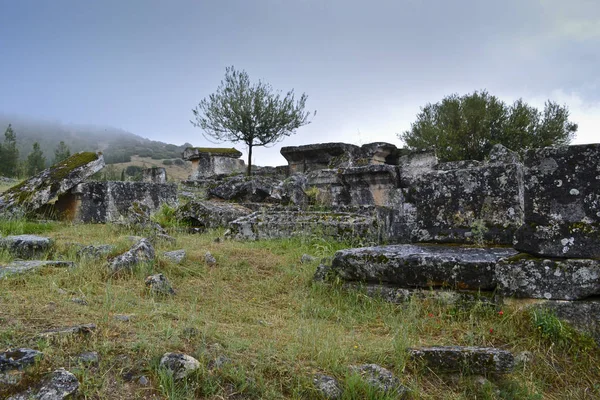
(240, 111)
(9, 154)
(466, 127)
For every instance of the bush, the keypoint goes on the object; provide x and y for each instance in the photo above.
(167, 162)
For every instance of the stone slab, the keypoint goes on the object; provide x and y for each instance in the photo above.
(466, 360)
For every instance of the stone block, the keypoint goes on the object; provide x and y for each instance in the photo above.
(210, 214)
(26, 246)
(154, 175)
(465, 360)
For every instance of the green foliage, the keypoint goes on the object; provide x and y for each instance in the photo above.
(62, 152)
(134, 172)
(167, 162)
(165, 216)
(9, 154)
(250, 113)
(36, 162)
(19, 226)
(479, 230)
(356, 388)
(466, 127)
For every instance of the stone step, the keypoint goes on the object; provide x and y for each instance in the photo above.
(26, 246)
(21, 267)
(422, 266)
(466, 360)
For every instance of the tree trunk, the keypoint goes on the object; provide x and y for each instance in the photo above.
(249, 173)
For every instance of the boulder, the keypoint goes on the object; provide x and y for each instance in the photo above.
(415, 164)
(312, 157)
(562, 202)
(61, 384)
(40, 189)
(327, 386)
(26, 246)
(181, 365)
(159, 284)
(213, 161)
(380, 379)
(256, 189)
(421, 266)
(566, 279)
(381, 153)
(141, 252)
(372, 185)
(210, 214)
(18, 359)
(291, 191)
(21, 267)
(175, 256)
(465, 360)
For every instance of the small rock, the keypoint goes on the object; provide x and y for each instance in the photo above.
(379, 378)
(17, 359)
(123, 317)
(95, 251)
(144, 381)
(328, 386)
(159, 284)
(181, 365)
(321, 273)
(26, 246)
(80, 301)
(209, 259)
(307, 258)
(142, 251)
(524, 358)
(89, 357)
(20, 267)
(176, 256)
(60, 385)
(73, 330)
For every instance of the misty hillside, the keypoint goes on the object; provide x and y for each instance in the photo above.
(116, 144)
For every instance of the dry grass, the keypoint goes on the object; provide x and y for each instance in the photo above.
(279, 328)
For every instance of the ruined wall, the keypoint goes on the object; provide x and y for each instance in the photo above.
(209, 162)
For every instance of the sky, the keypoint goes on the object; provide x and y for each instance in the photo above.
(366, 66)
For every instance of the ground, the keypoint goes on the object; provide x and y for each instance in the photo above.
(259, 307)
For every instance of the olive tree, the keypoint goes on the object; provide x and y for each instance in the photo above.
(252, 113)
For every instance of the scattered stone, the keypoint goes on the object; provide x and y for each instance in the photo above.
(322, 273)
(18, 359)
(83, 329)
(175, 256)
(421, 266)
(80, 301)
(218, 362)
(181, 365)
(40, 189)
(60, 385)
(160, 285)
(209, 259)
(123, 317)
(566, 279)
(20, 267)
(524, 358)
(88, 358)
(144, 381)
(328, 386)
(307, 259)
(465, 360)
(26, 246)
(210, 214)
(95, 251)
(141, 252)
(380, 378)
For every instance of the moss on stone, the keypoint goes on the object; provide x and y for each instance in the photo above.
(64, 168)
(217, 150)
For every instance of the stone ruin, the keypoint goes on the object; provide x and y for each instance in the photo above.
(211, 161)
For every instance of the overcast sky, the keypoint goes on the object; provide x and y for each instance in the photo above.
(367, 66)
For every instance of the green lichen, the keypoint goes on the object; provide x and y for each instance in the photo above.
(64, 168)
(216, 150)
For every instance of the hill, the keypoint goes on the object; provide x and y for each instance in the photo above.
(117, 145)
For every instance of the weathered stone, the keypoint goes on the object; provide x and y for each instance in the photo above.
(83, 329)
(291, 191)
(60, 385)
(208, 161)
(21, 267)
(209, 259)
(154, 175)
(26, 246)
(381, 153)
(95, 251)
(307, 259)
(582, 315)
(210, 214)
(472, 205)
(123, 317)
(39, 190)
(88, 358)
(175, 256)
(380, 378)
(327, 386)
(466, 360)
(101, 202)
(218, 362)
(372, 185)
(421, 266)
(159, 284)
(414, 165)
(141, 252)
(562, 202)
(255, 189)
(302, 159)
(79, 300)
(181, 365)
(18, 359)
(503, 155)
(526, 276)
(282, 224)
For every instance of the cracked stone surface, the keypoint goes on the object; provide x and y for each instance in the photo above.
(467, 360)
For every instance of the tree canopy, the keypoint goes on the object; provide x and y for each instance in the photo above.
(9, 153)
(62, 152)
(36, 162)
(254, 114)
(466, 127)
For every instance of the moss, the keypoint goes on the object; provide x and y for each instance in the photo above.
(64, 168)
(217, 150)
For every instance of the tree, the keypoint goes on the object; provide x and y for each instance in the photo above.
(62, 152)
(251, 113)
(9, 154)
(36, 161)
(466, 128)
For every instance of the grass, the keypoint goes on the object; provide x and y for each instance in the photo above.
(259, 307)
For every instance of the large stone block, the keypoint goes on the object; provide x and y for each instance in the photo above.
(421, 266)
(212, 161)
(525, 276)
(469, 205)
(372, 185)
(312, 157)
(582, 315)
(562, 202)
(111, 201)
(466, 360)
(26, 246)
(210, 214)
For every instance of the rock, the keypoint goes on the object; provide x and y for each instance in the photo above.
(380, 153)
(40, 189)
(83, 329)
(154, 175)
(562, 202)
(60, 385)
(18, 359)
(210, 214)
(218, 362)
(307, 259)
(322, 273)
(421, 266)
(379, 378)
(370, 185)
(526, 276)
(208, 162)
(285, 224)
(466, 360)
(138, 218)
(144, 381)
(175, 256)
(102, 202)
(524, 358)
(80, 301)
(26, 246)
(20, 267)
(327, 386)
(302, 159)
(123, 317)
(159, 284)
(291, 191)
(95, 251)
(209, 259)
(88, 358)
(181, 365)
(415, 164)
(582, 315)
(503, 155)
(141, 252)
(255, 189)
